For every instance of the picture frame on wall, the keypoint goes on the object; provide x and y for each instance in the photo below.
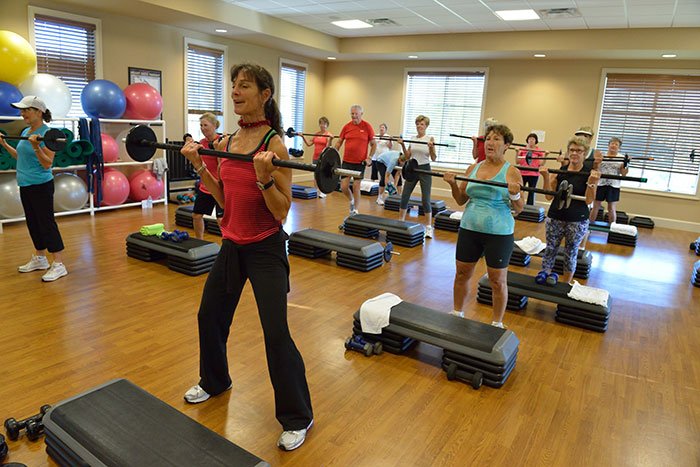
(144, 75)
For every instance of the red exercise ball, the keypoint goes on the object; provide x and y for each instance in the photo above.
(115, 188)
(110, 148)
(144, 184)
(143, 102)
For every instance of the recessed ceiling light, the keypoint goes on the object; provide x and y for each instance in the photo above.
(221, 30)
(352, 24)
(330, 58)
(540, 55)
(413, 56)
(669, 55)
(516, 15)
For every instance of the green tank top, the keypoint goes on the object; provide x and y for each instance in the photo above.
(488, 208)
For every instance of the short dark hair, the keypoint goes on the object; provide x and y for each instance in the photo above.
(324, 120)
(532, 135)
(184, 137)
(502, 130)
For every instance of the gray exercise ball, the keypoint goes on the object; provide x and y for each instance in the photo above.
(70, 192)
(10, 202)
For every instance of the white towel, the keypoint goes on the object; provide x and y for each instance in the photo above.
(587, 294)
(374, 313)
(624, 229)
(531, 245)
(366, 185)
(160, 166)
(457, 215)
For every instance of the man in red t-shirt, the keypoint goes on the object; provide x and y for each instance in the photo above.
(357, 134)
(478, 150)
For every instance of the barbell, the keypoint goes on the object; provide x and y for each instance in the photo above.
(141, 144)
(602, 175)
(412, 141)
(54, 139)
(562, 197)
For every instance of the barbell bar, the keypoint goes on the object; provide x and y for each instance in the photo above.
(54, 139)
(291, 133)
(141, 144)
(602, 175)
(479, 138)
(530, 151)
(412, 141)
(562, 197)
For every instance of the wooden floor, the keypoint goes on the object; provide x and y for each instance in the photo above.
(628, 397)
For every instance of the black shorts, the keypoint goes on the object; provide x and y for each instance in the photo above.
(607, 193)
(473, 245)
(205, 203)
(357, 167)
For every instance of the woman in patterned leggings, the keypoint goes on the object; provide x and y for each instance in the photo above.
(568, 223)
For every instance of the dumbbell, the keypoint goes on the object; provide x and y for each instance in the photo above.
(13, 427)
(3, 448)
(359, 344)
(176, 236)
(474, 379)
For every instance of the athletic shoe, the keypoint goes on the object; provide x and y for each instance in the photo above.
(541, 277)
(380, 201)
(57, 271)
(457, 313)
(498, 324)
(290, 440)
(196, 394)
(321, 194)
(37, 262)
(353, 212)
(429, 231)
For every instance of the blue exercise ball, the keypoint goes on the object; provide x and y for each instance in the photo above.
(103, 99)
(9, 93)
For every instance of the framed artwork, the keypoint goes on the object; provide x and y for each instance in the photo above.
(144, 75)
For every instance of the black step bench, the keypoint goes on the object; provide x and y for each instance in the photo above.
(355, 253)
(393, 203)
(120, 424)
(192, 256)
(643, 222)
(569, 311)
(443, 221)
(408, 234)
(614, 237)
(583, 263)
(695, 276)
(304, 192)
(469, 346)
(531, 213)
(183, 218)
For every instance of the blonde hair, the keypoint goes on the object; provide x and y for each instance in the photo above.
(211, 118)
(423, 118)
(578, 141)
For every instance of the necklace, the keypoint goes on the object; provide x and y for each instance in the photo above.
(243, 124)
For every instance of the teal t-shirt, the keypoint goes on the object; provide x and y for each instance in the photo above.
(29, 169)
(488, 208)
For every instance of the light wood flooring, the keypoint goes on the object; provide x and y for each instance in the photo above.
(627, 397)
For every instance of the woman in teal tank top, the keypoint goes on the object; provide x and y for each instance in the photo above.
(487, 224)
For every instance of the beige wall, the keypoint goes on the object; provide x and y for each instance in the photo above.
(557, 96)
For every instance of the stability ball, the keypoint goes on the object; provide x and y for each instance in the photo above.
(70, 192)
(115, 188)
(9, 94)
(143, 102)
(110, 148)
(10, 202)
(102, 98)
(54, 92)
(17, 58)
(144, 184)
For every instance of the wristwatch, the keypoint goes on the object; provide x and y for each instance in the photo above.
(265, 186)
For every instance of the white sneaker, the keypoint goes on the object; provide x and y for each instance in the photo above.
(457, 313)
(498, 324)
(380, 201)
(429, 231)
(37, 262)
(290, 440)
(196, 394)
(57, 271)
(321, 194)
(353, 212)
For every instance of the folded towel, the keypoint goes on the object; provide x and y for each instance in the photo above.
(531, 245)
(587, 294)
(154, 229)
(366, 185)
(374, 313)
(456, 215)
(624, 229)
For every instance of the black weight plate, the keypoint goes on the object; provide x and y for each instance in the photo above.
(328, 161)
(134, 147)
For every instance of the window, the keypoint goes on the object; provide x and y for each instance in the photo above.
(291, 98)
(453, 101)
(205, 85)
(66, 48)
(655, 115)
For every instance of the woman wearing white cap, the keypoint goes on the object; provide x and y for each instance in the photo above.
(36, 188)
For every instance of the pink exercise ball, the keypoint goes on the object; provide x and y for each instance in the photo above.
(110, 148)
(144, 184)
(143, 102)
(115, 188)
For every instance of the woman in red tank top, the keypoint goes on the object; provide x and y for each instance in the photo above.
(205, 203)
(321, 140)
(256, 197)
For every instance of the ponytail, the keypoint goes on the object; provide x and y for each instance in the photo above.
(272, 113)
(46, 116)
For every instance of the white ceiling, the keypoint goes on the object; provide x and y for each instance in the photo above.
(458, 16)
